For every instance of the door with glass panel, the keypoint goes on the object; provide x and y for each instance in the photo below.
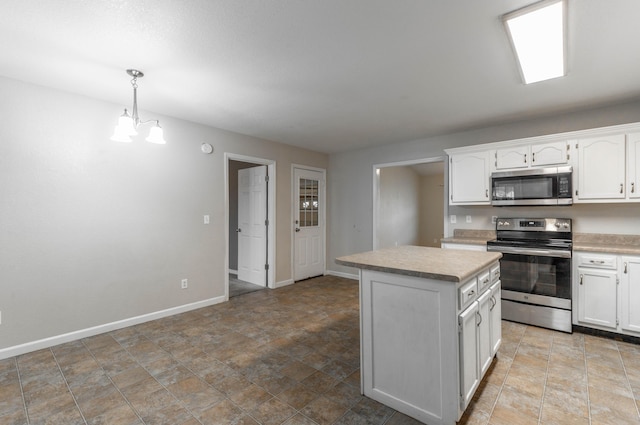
(309, 223)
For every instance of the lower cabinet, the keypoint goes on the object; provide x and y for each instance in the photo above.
(630, 294)
(480, 331)
(608, 292)
(426, 343)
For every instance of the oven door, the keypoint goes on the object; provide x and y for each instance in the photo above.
(536, 276)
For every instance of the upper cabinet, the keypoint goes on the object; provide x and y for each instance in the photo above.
(469, 175)
(633, 166)
(531, 156)
(607, 168)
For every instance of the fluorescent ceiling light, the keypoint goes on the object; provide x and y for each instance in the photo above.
(538, 34)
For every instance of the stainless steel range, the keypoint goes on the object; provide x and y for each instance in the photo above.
(535, 270)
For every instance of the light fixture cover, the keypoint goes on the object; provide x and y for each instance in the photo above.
(156, 135)
(538, 37)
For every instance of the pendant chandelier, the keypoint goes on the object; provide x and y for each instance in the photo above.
(128, 124)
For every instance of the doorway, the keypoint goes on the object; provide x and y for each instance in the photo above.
(409, 203)
(250, 219)
(309, 230)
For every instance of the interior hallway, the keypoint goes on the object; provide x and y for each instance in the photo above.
(291, 356)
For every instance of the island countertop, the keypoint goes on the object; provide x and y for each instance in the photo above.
(452, 265)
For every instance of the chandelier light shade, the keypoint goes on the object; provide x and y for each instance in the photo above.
(128, 124)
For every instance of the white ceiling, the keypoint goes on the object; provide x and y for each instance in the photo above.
(327, 75)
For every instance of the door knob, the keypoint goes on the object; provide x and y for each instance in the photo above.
(238, 230)
(297, 229)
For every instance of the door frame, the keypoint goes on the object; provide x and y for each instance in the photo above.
(376, 189)
(322, 208)
(271, 216)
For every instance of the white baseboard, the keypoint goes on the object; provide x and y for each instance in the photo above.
(233, 271)
(107, 327)
(284, 283)
(345, 275)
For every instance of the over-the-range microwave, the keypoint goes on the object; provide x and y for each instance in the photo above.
(540, 186)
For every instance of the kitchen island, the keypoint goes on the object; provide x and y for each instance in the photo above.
(429, 327)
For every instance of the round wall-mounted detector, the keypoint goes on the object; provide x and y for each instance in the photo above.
(206, 148)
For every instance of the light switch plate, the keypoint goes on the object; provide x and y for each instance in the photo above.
(452, 218)
(468, 219)
(206, 219)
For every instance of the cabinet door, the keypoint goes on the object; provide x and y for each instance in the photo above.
(496, 317)
(469, 178)
(484, 331)
(601, 167)
(630, 294)
(597, 299)
(554, 153)
(633, 166)
(515, 157)
(469, 367)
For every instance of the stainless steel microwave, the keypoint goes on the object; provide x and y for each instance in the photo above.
(541, 186)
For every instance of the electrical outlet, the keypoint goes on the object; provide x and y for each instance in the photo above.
(185, 283)
(206, 219)
(494, 218)
(468, 219)
(452, 218)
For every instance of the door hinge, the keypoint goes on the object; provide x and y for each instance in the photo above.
(266, 222)
(576, 146)
(266, 178)
(576, 192)
(459, 328)
(617, 322)
(617, 280)
(266, 267)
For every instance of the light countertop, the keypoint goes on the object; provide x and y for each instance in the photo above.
(452, 265)
(607, 243)
(470, 237)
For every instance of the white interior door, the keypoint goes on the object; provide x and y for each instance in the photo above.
(309, 223)
(252, 225)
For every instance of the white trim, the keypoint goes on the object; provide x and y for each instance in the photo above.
(233, 271)
(271, 215)
(323, 171)
(284, 283)
(28, 347)
(376, 189)
(342, 274)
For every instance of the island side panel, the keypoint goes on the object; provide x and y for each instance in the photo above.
(409, 345)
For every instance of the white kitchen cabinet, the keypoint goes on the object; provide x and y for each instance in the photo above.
(530, 156)
(484, 331)
(469, 365)
(496, 317)
(596, 285)
(513, 157)
(601, 168)
(630, 294)
(633, 166)
(469, 175)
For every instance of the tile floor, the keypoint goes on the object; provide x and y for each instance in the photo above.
(290, 356)
(240, 287)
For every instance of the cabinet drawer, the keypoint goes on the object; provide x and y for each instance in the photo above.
(598, 261)
(484, 281)
(495, 273)
(468, 293)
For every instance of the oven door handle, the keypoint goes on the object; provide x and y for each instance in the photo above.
(528, 251)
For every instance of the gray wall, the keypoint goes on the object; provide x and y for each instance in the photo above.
(350, 180)
(94, 232)
(398, 218)
(431, 210)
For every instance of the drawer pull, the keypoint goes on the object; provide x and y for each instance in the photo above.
(625, 268)
(493, 303)
(621, 187)
(581, 279)
(596, 261)
(471, 294)
(480, 316)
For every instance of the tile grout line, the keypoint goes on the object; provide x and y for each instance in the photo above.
(586, 375)
(24, 400)
(111, 380)
(544, 387)
(68, 387)
(626, 375)
(506, 374)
